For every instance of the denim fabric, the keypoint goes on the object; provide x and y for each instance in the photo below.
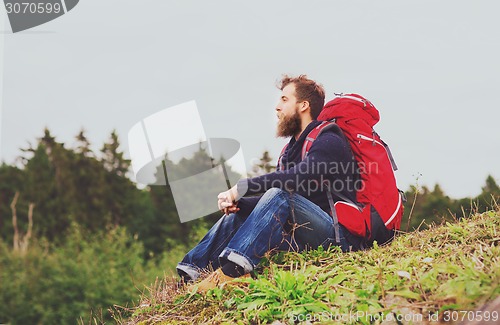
(280, 221)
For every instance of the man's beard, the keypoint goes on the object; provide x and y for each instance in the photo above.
(289, 126)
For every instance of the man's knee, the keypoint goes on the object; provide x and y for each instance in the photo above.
(275, 192)
(274, 199)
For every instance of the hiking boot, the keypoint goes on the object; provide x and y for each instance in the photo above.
(215, 279)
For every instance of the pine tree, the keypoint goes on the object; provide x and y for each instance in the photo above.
(264, 166)
(112, 158)
(490, 195)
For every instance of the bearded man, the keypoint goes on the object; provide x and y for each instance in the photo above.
(288, 209)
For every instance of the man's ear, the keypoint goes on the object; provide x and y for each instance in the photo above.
(304, 106)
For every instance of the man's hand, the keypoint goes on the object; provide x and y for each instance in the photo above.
(226, 201)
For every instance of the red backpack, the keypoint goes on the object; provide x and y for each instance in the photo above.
(379, 202)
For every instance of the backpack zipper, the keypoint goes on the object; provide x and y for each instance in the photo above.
(354, 98)
(364, 137)
(387, 151)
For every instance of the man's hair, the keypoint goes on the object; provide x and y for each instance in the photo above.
(306, 90)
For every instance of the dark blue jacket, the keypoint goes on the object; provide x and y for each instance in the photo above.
(329, 163)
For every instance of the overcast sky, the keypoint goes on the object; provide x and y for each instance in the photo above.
(431, 67)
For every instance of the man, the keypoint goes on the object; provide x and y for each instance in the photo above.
(292, 211)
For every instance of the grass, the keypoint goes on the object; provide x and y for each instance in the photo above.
(422, 276)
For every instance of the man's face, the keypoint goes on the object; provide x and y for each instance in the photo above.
(287, 110)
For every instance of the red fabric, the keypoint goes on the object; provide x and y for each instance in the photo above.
(352, 218)
(346, 109)
(356, 119)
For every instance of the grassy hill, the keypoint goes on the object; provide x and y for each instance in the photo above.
(422, 277)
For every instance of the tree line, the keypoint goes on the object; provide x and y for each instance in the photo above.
(64, 185)
(55, 186)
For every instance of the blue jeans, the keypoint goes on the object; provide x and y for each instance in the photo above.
(280, 221)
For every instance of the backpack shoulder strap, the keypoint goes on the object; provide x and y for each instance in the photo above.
(279, 165)
(310, 138)
(313, 135)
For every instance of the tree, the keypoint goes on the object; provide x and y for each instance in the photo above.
(264, 166)
(21, 241)
(490, 195)
(430, 206)
(46, 185)
(83, 144)
(112, 158)
(12, 180)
